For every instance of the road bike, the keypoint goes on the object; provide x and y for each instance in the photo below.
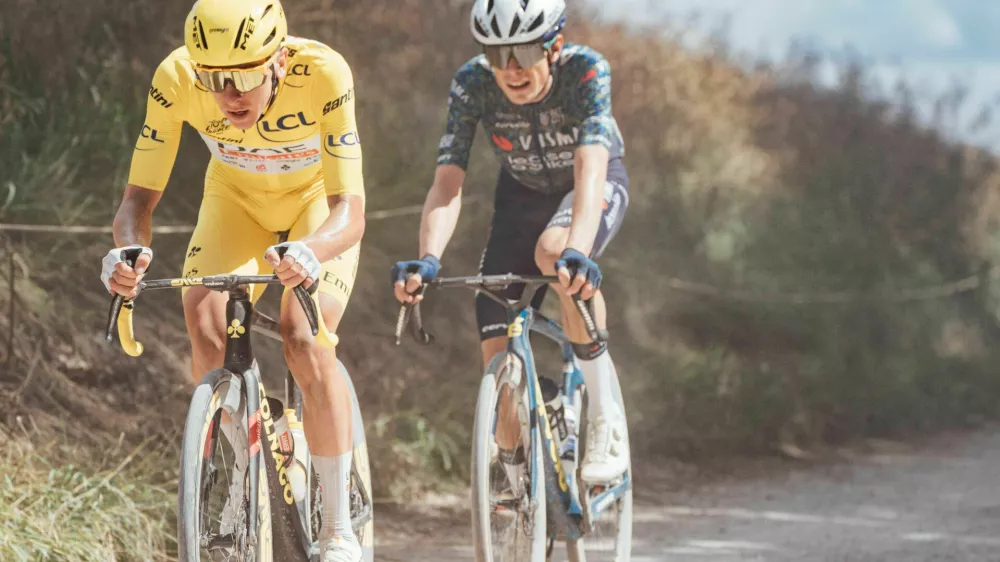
(520, 518)
(279, 517)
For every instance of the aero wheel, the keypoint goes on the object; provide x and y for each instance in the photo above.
(215, 519)
(362, 507)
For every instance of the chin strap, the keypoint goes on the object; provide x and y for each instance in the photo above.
(274, 94)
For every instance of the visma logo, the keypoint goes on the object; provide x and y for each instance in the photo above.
(288, 122)
(345, 141)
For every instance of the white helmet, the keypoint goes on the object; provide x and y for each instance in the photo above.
(509, 22)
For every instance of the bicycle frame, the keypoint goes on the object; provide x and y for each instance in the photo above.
(522, 321)
(239, 360)
(519, 344)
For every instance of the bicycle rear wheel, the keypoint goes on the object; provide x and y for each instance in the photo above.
(362, 507)
(508, 519)
(220, 398)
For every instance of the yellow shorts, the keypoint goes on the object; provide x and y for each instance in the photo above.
(234, 230)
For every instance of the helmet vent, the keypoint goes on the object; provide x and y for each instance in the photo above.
(535, 24)
(239, 34)
(489, 6)
(479, 27)
(201, 33)
(496, 27)
(515, 24)
(266, 10)
(524, 4)
(271, 36)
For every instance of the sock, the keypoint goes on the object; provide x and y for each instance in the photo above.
(601, 396)
(335, 479)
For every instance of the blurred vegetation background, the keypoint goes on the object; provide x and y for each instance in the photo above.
(801, 266)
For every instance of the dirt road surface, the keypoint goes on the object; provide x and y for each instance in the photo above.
(938, 500)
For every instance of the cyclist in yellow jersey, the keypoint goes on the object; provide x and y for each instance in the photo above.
(277, 114)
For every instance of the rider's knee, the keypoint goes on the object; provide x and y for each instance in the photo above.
(298, 340)
(547, 251)
(204, 328)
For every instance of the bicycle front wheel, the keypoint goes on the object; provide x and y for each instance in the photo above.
(216, 517)
(508, 518)
(607, 533)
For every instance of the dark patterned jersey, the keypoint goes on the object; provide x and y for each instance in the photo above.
(536, 142)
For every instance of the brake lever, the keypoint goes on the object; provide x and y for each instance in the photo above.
(409, 315)
(586, 310)
(304, 297)
(402, 320)
(422, 336)
(129, 256)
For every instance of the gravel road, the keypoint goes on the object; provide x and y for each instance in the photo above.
(939, 501)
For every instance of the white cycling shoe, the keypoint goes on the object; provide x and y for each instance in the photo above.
(607, 453)
(341, 550)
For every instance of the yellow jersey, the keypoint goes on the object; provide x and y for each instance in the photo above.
(308, 136)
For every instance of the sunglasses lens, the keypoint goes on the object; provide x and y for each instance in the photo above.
(214, 81)
(242, 80)
(246, 81)
(526, 56)
(497, 55)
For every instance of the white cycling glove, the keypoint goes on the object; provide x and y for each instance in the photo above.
(113, 258)
(302, 255)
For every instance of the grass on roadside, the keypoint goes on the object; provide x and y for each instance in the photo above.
(57, 503)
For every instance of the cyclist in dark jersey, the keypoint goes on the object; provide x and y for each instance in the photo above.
(561, 195)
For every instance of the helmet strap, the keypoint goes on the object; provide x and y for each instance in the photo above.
(274, 93)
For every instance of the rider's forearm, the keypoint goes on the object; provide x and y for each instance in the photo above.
(590, 172)
(343, 229)
(441, 211)
(133, 222)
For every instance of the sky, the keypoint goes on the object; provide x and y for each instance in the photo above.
(931, 43)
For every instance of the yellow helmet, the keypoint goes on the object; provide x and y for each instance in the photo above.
(221, 33)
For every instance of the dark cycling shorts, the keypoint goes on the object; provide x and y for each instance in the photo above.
(520, 216)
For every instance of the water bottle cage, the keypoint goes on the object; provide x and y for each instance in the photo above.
(286, 444)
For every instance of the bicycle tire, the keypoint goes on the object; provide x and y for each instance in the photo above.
(361, 475)
(481, 460)
(486, 404)
(363, 522)
(218, 390)
(539, 534)
(576, 551)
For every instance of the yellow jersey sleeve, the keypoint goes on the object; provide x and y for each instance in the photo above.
(156, 148)
(333, 96)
